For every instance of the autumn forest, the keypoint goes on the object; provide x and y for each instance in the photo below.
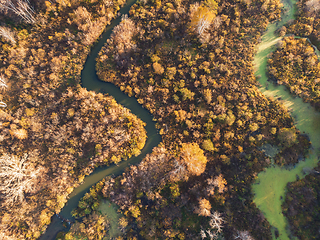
(189, 63)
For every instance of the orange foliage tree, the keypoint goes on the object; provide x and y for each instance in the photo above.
(204, 207)
(192, 156)
(202, 15)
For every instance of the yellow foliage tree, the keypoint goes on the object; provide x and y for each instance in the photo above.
(221, 183)
(192, 156)
(202, 15)
(204, 207)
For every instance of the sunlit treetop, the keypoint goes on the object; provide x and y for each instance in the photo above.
(202, 15)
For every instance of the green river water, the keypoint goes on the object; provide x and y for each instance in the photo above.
(91, 81)
(270, 185)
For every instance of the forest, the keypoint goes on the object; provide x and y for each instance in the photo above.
(296, 65)
(53, 132)
(307, 21)
(302, 206)
(202, 91)
(190, 64)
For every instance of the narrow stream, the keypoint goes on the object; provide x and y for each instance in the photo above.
(270, 185)
(91, 81)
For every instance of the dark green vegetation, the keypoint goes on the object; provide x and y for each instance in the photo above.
(302, 206)
(295, 65)
(53, 132)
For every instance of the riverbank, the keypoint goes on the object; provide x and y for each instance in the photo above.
(270, 185)
(198, 93)
(199, 86)
(90, 81)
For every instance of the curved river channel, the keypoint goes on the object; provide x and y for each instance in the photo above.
(270, 185)
(91, 81)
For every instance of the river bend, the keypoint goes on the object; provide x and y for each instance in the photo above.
(90, 81)
(270, 185)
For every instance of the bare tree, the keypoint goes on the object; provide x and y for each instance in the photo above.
(203, 234)
(17, 177)
(313, 6)
(242, 235)
(203, 24)
(108, 3)
(212, 235)
(179, 171)
(216, 221)
(2, 104)
(3, 236)
(122, 35)
(215, 230)
(3, 85)
(7, 34)
(19, 7)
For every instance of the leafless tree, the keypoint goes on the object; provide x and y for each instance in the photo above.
(179, 171)
(2, 104)
(216, 221)
(17, 177)
(3, 85)
(215, 229)
(313, 6)
(242, 235)
(212, 235)
(3, 236)
(122, 35)
(7, 34)
(203, 234)
(19, 7)
(203, 24)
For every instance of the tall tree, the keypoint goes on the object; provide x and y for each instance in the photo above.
(8, 35)
(3, 86)
(192, 156)
(17, 177)
(21, 8)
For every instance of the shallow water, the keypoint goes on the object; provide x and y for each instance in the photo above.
(270, 186)
(91, 81)
(109, 210)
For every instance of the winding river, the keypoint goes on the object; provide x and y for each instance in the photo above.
(269, 187)
(91, 81)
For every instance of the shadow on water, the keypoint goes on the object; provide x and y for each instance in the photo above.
(270, 185)
(91, 81)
